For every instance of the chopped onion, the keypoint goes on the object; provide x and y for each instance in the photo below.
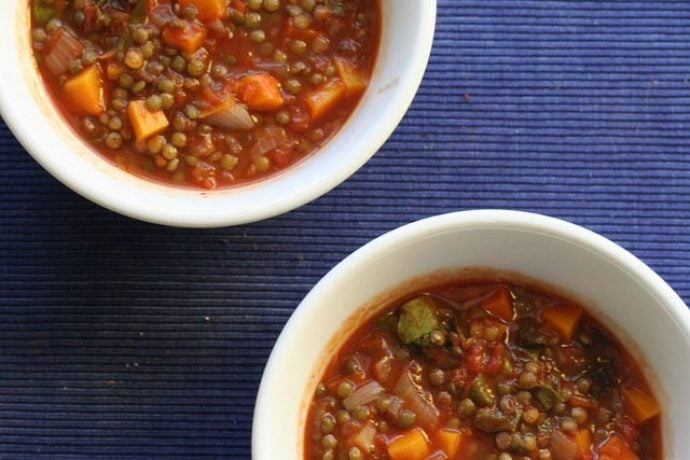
(231, 116)
(418, 400)
(395, 406)
(363, 395)
(364, 438)
(267, 139)
(562, 447)
(65, 50)
(383, 368)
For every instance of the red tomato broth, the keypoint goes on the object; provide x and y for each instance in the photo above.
(462, 300)
(210, 156)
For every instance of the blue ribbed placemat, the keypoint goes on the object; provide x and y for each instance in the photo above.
(120, 339)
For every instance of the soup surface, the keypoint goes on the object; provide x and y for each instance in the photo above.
(205, 92)
(483, 370)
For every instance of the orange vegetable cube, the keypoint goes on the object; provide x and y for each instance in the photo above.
(500, 304)
(616, 449)
(583, 439)
(86, 92)
(187, 36)
(208, 10)
(641, 406)
(413, 445)
(353, 77)
(564, 318)
(449, 441)
(324, 98)
(145, 122)
(260, 91)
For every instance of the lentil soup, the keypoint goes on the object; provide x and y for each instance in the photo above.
(205, 93)
(483, 369)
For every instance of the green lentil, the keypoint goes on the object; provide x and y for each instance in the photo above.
(196, 67)
(115, 124)
(293, 86)
(190, 12)
(53, 25)
(255, 4)
(252, 20)
(362, 413)
(354, 453)
(192, 112)
(147, 49)
(329, 441)
(139, 86)
(155, 144)
(342, 416)
(437, 377)
(154, 102)
(466, 407)
(328, 455)
(298, 47)
(283, 117)
(257, 36)
(125, 81)
(344, 389)
(166, 85)
(228, 162)
(568, 425)
(39, 35)
(301, 21)
(134, 59)
(178, 139)
(79, 17)
(328, 423)
(169, 151)
(172, 165)
(308, 5)
(406, 418)
(271, 5)
(280, 56)
(167, 101)
(320, 44)
(140, 35)
(178, 63)
(113, 140)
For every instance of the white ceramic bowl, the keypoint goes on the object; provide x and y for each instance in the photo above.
(640, 308)
(407, 33)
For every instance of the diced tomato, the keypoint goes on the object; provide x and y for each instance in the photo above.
(495, 362)
(299, 121)
(282, 156)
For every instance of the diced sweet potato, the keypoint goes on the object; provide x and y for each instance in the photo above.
(583, 439)
(145, 122)
(324, 98)
(500, 304)
(86, 92)
(642, 407)
(186, 36)
(449, 441)
(564, 318)
(208, 9)
(616, 449)
(413, 445)
(260, 91)
(351, 75)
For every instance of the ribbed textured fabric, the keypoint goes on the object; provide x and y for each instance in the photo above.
(123, 340)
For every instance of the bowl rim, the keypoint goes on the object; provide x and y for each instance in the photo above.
(222, 213)
(439, 225)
